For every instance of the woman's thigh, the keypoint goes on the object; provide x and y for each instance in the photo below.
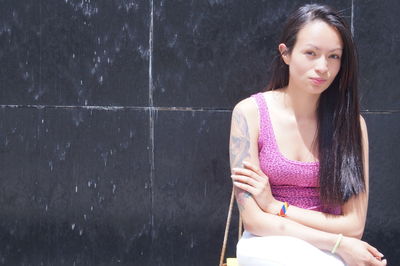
(282, 250)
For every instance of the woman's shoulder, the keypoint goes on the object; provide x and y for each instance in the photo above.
(363, 124)
(364, 130)
(249, 104)
(247, 107)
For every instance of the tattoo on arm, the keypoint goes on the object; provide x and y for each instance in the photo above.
(239, 149)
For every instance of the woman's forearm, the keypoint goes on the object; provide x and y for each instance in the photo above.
(346, 225)
(351, 224)
(351, 250)
(265, 224)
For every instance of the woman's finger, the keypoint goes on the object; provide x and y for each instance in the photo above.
(242, 171)
(246, 172)
(260, 174)
(254, 168)
(244, 187)
(377, 262)
(374, 251)
(245, 180)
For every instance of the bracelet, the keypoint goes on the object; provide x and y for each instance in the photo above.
(283, 210)
(337, 243)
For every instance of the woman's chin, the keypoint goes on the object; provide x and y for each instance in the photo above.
(317, 89)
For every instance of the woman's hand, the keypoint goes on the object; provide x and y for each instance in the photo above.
(357, 252)
(252, 180)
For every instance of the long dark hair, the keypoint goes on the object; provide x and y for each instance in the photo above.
(341, 169)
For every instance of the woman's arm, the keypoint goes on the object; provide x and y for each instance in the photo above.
(244, 146)
(350, 223)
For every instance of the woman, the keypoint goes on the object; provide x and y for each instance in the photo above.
(300, 150)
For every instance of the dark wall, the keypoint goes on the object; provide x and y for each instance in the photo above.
(115, 121)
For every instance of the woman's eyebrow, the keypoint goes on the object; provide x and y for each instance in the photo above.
(317, 48)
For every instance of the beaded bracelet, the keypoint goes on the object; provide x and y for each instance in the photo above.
(283, 210)
(337, 243)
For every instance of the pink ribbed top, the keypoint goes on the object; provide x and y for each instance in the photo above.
(292, 181)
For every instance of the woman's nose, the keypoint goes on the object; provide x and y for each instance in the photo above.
(321, 65)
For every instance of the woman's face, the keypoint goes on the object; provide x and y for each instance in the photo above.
(315, 58)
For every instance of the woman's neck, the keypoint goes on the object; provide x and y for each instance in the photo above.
(299, 104)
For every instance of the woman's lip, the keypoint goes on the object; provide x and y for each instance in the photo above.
(317, 81)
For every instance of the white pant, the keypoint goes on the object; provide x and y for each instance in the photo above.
(253, 250)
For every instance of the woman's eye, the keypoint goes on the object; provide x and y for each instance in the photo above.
(335, 56)
(310, 53)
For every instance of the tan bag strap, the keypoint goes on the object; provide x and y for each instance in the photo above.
(228, 222)
(240, 227)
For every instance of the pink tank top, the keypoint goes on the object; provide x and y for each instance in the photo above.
(292, 181)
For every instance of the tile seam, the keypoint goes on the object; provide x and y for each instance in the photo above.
(151, 110)
(40, 45)
(155, 109)
(352, 18)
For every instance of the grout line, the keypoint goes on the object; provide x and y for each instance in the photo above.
(192, 109)
(151, 123)
(151, 104)
(157, 109)
(352, 18)
(116, 108)
(380, 112)
(88, 107)
(40, 46)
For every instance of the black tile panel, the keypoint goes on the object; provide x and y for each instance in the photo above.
(74, 52)
(213, 53)
(191, 186)
(382, 228)
(75, 186)
(377, 32)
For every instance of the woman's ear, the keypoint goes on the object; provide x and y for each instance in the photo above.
(283, 50)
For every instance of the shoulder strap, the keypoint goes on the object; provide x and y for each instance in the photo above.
(266, 133)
